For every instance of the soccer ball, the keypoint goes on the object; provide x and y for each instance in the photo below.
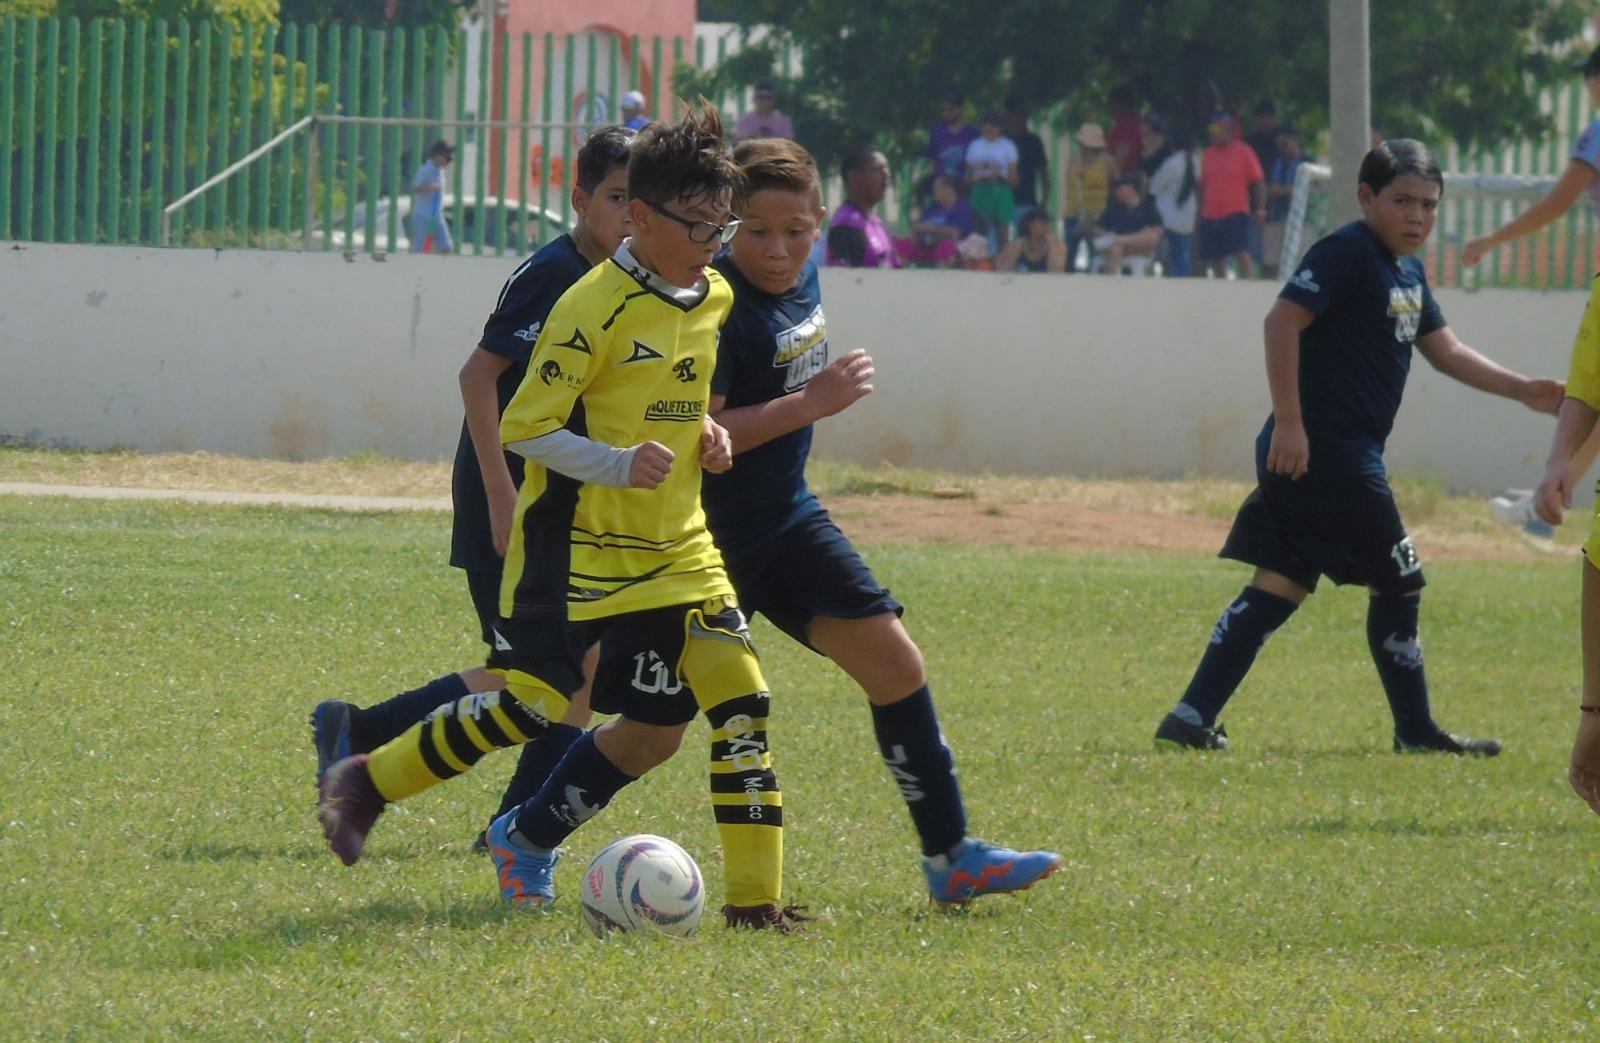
(643, 883)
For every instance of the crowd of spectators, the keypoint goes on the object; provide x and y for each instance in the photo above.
(1135, 196)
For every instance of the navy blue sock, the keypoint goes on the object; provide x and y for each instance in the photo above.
(376, 725)
(1397, 651)
(915, 751)
(537, 760)
(582, 784)
(1238, 635)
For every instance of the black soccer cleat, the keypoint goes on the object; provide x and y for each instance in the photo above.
(1442, 741)
(787, 920)
(1178, 734)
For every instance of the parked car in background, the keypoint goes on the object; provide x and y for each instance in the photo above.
(507, 223)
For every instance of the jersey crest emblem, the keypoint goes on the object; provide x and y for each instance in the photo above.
(577, 342)
(642, 352)
(531, 334)
(684, 368)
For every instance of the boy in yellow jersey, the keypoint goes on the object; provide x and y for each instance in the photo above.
(626, 361)
(1575, 422)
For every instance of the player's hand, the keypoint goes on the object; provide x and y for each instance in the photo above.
(502, 508)
(1289, 452)
(1473, 252)
(1554, 494)
(845, 380)
(716, 447)
(1584, 770)
(652, 462)
(1543, 395)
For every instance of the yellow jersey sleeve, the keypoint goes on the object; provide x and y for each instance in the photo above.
(565, 359)
(1583, 376)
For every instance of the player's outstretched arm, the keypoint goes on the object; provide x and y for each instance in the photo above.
(844, 381)
(1454, 359)
(1577, 177)
(478, 394)
(1573, 424)
(1289, 452)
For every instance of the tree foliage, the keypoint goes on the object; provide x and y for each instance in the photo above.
(874, 70)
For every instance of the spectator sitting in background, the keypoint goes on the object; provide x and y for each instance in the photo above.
(1170, 166)
(1280, 193)
(633, 116)
(1037, 248)
(1088, 186)
(948, 140)
(764, 121)
(1124, 140)
(856, 235)
(1231, 197)
(992, 171)
(945, 221)
(1033, 165)
(1129, 227)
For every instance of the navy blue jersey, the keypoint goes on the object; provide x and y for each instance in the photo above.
(525, 301)
(771, 346)
(1370, 308)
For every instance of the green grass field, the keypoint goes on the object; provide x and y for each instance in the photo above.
(163, 875)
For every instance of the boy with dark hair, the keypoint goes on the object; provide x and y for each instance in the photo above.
(430, 229)
(1339, 343)
(485, 479)
(785, 556)
(626, 360)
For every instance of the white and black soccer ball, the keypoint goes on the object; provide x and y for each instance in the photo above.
(643, 883)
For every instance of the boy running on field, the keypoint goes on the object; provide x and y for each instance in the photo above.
(785, 556)
(484, 490)
(626, 359)
(1339, 343)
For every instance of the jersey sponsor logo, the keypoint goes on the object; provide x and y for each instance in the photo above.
(1305, 281)
(802, 350)
(1405, 307)
(1406, 653)
(652, 676)
(550, 372)
(1405, 556)
(641, 353)
(684, 370)
(676, 409)
(577, 342)
(530, 334)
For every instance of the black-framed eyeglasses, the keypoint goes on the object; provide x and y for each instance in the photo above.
(701, 232)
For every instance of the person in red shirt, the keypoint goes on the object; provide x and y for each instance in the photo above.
(1125, 141)
(1232, 196)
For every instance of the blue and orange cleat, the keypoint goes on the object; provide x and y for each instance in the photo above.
(983, 869)
(330, 734)
(350, 807)
(527, 878)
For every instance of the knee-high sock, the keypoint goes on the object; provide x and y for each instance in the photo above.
(372, 726)
(721, 666)
(537, 760)
(1238, 635)
(1397, 652)
(455, 737)
(581, 785)
(915, 752)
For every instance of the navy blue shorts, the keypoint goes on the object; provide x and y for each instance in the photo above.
(637, 676)
(546, 647)
(1222, 237)
(809, 570)
(485, 590)
(1347, 529)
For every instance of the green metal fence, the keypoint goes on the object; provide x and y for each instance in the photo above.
(105, 124)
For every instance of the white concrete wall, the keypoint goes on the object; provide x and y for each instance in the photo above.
(291, 355)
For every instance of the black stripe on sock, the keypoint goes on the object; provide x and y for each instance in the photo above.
(739, 815)
(756, 780)
(756, 705)
(455, 736)
(438, 765)
(492, 731)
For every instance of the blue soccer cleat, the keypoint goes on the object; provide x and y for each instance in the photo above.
(330, 734)
(527, 879)
(983, 869)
